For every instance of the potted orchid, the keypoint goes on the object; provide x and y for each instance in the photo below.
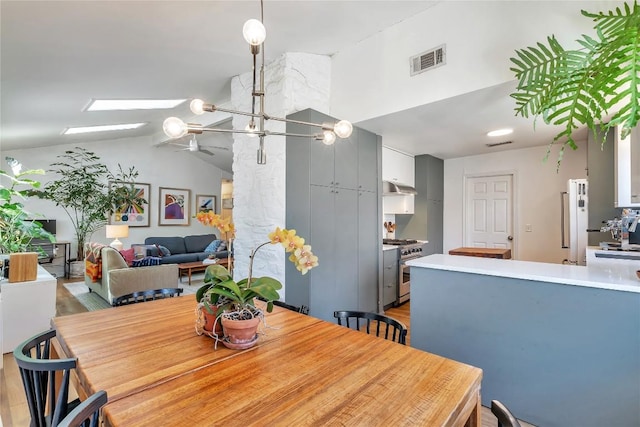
(234, 302)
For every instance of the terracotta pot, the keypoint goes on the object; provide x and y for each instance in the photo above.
(240, 332)
(210, 320)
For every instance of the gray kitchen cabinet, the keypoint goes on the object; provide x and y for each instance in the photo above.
(367, 160)
(389, 277)
(368, 247)
(326, 202)
(427, 221)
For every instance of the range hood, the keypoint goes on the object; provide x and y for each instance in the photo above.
(392, 188)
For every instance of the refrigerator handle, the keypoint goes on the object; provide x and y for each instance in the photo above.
(563, 196)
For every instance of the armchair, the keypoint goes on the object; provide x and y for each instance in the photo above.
(119, 279)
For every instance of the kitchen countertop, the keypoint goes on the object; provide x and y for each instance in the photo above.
(619, 275)
(389, 247)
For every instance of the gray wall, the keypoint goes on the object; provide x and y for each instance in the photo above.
(556, 355)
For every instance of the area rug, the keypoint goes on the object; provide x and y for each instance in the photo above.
(92, 301)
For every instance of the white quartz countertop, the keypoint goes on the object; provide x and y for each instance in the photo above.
(389, 247)
(619, 275)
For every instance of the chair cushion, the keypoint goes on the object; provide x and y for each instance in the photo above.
(198, 243)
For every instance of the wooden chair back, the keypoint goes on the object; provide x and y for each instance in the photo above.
(384, 326)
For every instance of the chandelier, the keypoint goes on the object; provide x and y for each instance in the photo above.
(255, 33)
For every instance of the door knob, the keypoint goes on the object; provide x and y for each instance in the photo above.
(510, 238)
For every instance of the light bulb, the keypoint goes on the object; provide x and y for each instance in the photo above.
(329, 137)
(174, 127)
(343, 129)
(251, 127)
(254, 32)
(197, 106)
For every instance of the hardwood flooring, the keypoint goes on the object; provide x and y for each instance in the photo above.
(13, 406)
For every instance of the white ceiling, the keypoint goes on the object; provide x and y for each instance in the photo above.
(58, 55)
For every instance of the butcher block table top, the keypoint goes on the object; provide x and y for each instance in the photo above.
(303, 371)
(483, 252)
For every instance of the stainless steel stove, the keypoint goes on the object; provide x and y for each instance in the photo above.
(408, 249)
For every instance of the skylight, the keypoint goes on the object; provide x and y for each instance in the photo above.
(133, 104)
(101, 128)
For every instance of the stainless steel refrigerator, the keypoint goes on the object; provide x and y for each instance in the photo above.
(575, 221)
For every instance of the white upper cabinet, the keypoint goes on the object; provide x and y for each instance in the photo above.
(398, 167)
(627, 162)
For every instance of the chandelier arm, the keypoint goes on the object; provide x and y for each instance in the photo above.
(242, 113)
(280, 119)
(200, 130)
(297, 135)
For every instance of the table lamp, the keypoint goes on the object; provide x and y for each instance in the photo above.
(116, 231)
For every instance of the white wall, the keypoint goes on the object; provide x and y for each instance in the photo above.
(371, 78)
(536, 189)
(160, 167)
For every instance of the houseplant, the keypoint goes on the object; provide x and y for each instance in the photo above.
(16, 232)
(234, 302)
(81, 189)
(597, 85)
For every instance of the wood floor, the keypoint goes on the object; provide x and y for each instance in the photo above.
(13, 406)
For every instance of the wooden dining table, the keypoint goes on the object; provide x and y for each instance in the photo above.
(303, 371)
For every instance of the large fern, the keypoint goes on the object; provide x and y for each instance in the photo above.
(594, 86)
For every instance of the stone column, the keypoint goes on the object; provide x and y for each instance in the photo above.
(293, 82)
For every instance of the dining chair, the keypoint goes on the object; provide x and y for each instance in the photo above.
(504, 416)
(148, 295)
(38, 372)
(385, 326)
(87, 414)
(302, 309)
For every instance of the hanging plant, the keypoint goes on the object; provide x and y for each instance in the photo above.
(594, 86)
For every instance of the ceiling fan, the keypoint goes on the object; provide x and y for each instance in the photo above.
(193, 145)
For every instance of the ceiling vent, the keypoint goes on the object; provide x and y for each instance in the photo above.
(495, 144)
(428, 60)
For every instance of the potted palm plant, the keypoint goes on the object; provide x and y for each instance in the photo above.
(80, 188)
(233, 303)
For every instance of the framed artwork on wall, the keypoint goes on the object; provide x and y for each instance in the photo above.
(133, 215)
(174, 206)
(205, 203)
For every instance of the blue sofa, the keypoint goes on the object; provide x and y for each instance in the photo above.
(181, 249)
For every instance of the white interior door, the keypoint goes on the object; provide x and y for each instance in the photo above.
(489, 212)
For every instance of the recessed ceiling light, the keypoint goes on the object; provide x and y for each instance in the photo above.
(102, 128)
(500, 132)
(133, 104)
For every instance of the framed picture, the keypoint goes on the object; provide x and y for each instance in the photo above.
(227, 203)
(174, 206)
(133, 215)
(205, 203)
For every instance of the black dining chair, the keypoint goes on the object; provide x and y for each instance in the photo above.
(38, 372)
(384, 326)
(302, 309)
(148, 295)
(87, 414)
(504, 416)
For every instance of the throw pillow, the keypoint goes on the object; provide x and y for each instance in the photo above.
(163, 251)
(128, 255)
(222, 247)
(146, 261)
(213, 247)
